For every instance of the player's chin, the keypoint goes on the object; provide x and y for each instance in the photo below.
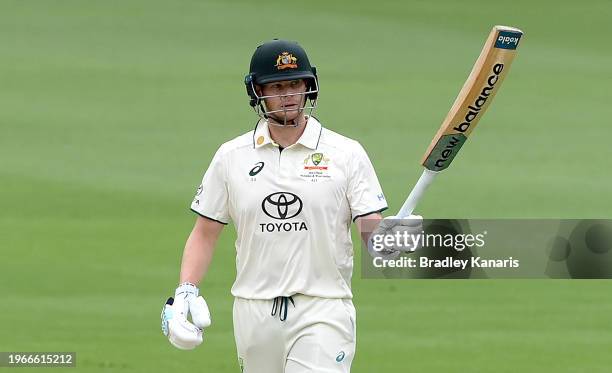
(289, 115)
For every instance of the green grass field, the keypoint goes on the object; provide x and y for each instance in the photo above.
(110, 111)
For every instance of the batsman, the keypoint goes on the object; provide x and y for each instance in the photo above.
(292, 188)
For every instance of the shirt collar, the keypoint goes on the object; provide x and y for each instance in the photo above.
(310, 137)
(312, 133)
(261, 136)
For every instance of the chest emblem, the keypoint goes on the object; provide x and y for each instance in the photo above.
(316, 167)
(255, 170)
(282, 205)
(316, 161)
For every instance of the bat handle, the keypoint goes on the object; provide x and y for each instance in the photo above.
(417, 193)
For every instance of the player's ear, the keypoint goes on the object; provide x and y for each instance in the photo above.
(258, 90)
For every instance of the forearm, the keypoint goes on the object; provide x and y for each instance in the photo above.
(199, 250)
(367, 224)
(182, 332)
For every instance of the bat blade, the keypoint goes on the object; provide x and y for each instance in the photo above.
(478, 91)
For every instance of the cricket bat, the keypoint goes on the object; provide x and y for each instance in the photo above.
(478, 91)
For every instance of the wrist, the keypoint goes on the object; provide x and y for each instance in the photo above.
(187, 288)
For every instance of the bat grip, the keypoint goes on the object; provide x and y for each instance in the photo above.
(417, 193)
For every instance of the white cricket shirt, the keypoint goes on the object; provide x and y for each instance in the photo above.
(292, 209)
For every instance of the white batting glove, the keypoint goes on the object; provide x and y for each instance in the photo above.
(175, 324)
(395, 235)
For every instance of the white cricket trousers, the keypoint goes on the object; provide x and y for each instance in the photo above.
(295, 334)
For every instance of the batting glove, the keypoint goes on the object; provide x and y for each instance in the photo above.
(175, 325)
(395, 235)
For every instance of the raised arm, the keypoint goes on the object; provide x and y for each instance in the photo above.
(367, 224)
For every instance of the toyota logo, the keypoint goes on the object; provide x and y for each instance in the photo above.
(282, 205)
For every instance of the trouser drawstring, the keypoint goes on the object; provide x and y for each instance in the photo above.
(280, 305)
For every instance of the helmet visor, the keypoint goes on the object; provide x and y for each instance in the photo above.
(286, 76)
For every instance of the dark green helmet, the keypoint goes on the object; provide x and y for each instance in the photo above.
(278, 60)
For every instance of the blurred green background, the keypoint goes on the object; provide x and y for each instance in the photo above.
(110, 112)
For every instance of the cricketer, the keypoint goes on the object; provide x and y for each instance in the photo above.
(292, 188)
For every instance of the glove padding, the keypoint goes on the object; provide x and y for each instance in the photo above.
(181, 333)
(410, 227)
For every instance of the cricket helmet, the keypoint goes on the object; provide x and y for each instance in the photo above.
(279, 60)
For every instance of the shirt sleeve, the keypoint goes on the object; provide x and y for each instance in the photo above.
(364, 193)
(211, 199)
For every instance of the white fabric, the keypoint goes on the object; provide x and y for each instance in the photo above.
(318, 335)
(292, 209)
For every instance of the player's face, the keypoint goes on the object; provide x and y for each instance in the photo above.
(289, 101)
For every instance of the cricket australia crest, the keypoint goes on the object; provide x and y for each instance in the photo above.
(316, 158)
(316, 166)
